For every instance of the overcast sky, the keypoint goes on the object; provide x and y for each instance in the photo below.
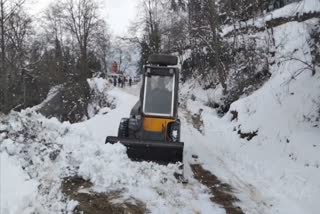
(118, 13)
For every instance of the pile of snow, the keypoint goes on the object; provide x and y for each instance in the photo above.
(18, 193)
(32, 142)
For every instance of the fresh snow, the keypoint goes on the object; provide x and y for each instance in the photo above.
(17, 190)
(279, 169)
(265, 179)
(80, 150)
(294, 8)
(290, 10)
(277, 172)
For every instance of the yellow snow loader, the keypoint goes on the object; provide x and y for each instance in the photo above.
(152, 132)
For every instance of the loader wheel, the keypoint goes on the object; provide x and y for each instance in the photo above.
(174, 131)
(123, 130)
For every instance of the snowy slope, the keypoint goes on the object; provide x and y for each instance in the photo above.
(280, 167)
(290, 10)
(287, 147)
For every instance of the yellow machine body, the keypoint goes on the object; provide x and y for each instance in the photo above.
(153, 124)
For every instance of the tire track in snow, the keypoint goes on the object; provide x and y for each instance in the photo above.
(250, 199)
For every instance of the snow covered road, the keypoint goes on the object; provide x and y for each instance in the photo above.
(41, 153)
(50, 151)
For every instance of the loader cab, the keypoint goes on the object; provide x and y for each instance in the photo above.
(160, 88)
(159, 99)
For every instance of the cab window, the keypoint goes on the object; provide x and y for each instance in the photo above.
(158, 95)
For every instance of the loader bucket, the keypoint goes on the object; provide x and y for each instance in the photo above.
(155, 151)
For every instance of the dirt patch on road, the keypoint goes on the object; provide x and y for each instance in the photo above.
(222, 192)
(90, 202)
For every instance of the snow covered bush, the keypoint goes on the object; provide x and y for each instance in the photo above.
(99, 98)
(248, 71)
(76, 102)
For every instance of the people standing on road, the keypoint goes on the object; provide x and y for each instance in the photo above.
(114, 81)
(123, 81)
(119, 81)
(130, 81)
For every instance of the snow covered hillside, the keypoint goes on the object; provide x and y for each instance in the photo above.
(270, 139)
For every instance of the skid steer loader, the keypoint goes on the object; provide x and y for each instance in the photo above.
(152, 132)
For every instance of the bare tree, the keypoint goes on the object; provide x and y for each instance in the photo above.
(101, 45)
(7, 10)
(204, 28)
(82, 20)
(216, 43)
(54, 21)
(56, 36)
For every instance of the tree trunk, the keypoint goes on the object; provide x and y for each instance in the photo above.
(3, 71)
(217, 44)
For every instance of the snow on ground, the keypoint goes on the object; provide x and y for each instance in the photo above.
(300, 7)
(278, 171)
(294, 8)
(17, 190)
(40, 152)
(290, 10)
(49, 151)
(109, 168)
(280, 167)
(287, 146)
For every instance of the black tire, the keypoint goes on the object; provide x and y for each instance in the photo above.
(123, 130)
(175, 126)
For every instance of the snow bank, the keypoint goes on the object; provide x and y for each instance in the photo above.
(32, 141)
(17, 192)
